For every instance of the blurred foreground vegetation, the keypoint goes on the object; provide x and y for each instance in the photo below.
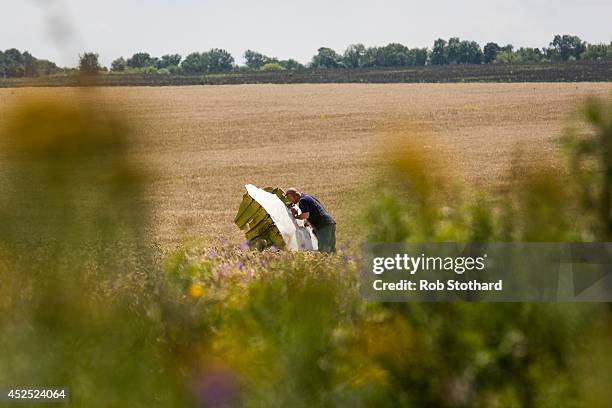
(84, 302)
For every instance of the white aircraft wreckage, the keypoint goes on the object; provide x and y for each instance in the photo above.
(265, 218)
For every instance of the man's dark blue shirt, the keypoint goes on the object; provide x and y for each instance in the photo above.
(318, 215)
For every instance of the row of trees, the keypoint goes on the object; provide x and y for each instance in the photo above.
(562, 48)
(214, 60)
(358, 56)
(457, 51)
(443, 52)
(257, 61)
(13, 63)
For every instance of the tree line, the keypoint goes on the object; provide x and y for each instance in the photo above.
(13, 63)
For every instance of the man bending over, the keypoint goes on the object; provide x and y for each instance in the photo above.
(313, 211)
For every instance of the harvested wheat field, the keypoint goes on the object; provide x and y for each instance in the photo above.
(202, 144)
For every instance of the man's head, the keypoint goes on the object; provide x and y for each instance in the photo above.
(293, 195)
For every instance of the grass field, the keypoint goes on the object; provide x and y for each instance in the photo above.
(202, 144)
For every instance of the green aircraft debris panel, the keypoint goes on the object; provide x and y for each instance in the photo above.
(256, 218)
(247, 209)
(260, 228)
(257, 224)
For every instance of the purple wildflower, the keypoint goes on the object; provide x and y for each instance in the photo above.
(223, 270)
(217, 387)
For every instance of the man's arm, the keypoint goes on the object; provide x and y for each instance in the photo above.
(302, 216)
(305, 207)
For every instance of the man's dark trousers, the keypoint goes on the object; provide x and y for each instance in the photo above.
(326, 234)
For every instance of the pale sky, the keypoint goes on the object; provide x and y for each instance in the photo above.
(61, 29)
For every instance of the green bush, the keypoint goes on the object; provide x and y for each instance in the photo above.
(507, 57)
(174, 69)
(272, 66)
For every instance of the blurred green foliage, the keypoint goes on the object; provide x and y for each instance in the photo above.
(535, 203)
(85, 304)
(81, 299)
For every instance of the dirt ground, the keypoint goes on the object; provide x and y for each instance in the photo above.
(201, 144)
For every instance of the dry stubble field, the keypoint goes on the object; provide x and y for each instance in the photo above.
(201, 144)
